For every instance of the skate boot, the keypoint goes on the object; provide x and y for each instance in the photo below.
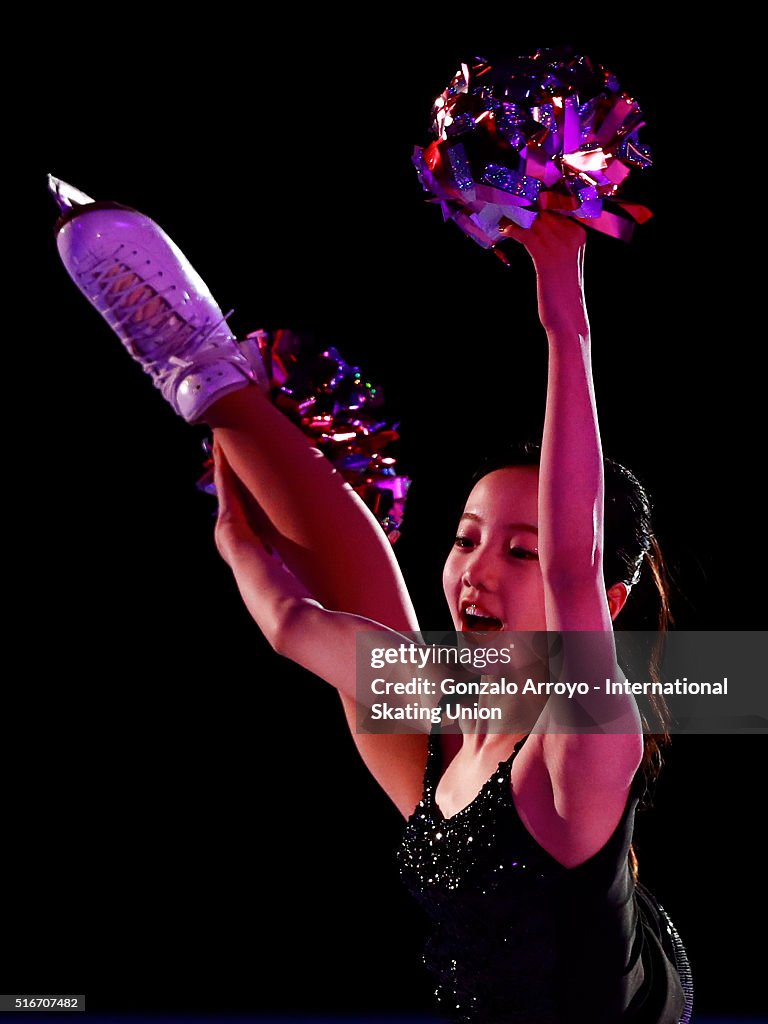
(157, 304)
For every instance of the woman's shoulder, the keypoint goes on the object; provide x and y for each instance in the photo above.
(585, 833)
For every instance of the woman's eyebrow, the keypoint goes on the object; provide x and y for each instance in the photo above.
(525, 527)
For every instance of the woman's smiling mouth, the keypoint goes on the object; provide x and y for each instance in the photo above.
(474, 617)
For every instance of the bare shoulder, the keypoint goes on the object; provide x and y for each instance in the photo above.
(571, 791)
(396, 761)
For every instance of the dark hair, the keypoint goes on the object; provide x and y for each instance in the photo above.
(631, 555)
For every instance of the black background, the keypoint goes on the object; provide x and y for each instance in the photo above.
(187, 824)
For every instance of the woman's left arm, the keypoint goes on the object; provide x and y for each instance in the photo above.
(571, 486)
(585, 766)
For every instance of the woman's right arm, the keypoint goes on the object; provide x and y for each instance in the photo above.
(323, 641)
(332, 542)
(294, 624)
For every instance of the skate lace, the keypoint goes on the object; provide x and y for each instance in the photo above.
(147, 323)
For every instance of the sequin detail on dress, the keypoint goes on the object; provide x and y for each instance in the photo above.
(517, 938)
(458, 868)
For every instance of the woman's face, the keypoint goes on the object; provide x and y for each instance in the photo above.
(492, 578)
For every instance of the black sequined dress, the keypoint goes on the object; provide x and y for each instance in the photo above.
(517, 938)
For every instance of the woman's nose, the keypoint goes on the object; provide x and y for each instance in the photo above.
(479, 573)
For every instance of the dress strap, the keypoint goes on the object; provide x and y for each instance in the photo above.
(505, 767)
(434, 760)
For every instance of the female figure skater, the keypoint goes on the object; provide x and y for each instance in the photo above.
(516, 843)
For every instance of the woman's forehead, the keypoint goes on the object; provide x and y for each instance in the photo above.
(497, 494)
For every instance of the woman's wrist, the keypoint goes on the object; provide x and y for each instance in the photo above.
(561, 301)
(232, 536)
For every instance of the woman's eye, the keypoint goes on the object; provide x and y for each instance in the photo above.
(518, 552)
(463, 542)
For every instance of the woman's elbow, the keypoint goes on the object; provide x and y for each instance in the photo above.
(574, 574)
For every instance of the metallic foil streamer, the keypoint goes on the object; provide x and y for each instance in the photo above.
(341, 412)
(552, 131)
(460, 167)
(521, 185)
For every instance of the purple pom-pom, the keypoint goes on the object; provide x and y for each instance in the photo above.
(548, 132)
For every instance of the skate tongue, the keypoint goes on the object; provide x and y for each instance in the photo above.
(67, 196)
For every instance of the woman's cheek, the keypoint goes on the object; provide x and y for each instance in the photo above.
(450, 580)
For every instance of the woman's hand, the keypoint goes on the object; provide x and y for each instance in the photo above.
(553, 240)
(238, 535)
(233, 521)
(556, 244)
(271, 592)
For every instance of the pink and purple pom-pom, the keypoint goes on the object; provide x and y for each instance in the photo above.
(549, 132)
(342, 414)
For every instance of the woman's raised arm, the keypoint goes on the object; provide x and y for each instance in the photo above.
(591, 771)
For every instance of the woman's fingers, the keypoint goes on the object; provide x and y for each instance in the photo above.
(236, 506)
(555, 243)
(228, 487)
(548, 231)
(516, 233)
